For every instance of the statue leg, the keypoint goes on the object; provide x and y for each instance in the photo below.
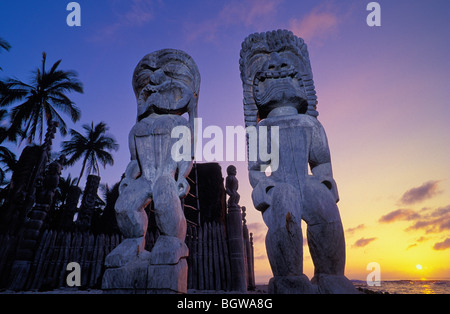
(284, 241)
(132, 220)
(284, 237)
(326, 239)
(169, 247)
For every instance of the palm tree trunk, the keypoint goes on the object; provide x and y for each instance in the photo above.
(82, 170)
(98, 168)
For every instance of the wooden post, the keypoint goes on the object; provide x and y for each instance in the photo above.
(210, 259)
(221, 256)
(236, 245)
(65, 261)
(253, 261)
(215, 247)
(205, 256)
(194, 257)
(34, 268)
(201, 280)
(188, 240)
(226, 259)
(247, 251)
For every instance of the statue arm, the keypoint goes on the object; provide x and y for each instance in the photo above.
(262, 186)
(320, 160)
(133, 170)
(254, 172)
(184, 168)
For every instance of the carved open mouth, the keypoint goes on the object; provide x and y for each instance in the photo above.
(279, 88)
(268, 84)
(170, 97)
(264, 75)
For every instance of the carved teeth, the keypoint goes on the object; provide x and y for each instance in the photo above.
(262, 76)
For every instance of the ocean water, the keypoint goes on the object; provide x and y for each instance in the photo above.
(409, 286)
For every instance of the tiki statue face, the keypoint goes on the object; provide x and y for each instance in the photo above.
(276, 72)
(166, 82)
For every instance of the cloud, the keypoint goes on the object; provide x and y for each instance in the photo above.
(363, 242)
(261, 257)
(431, 221)
(248, 13)
(442, 245)
(434, 222)
(421, 193)
(441, 211)
(357, 228)
(140, 13)
(421, 239)
(427, 220)
(399, 214)
(136, 13)
(321, 23)
(259, 238)
(259, 230)
(256, 227)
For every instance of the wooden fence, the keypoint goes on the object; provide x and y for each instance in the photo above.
(56, 249)
(208, 261)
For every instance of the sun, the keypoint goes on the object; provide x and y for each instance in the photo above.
(419, 267)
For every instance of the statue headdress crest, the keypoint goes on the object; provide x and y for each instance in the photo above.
(258, 44)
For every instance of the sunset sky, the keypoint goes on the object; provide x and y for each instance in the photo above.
(383, 100)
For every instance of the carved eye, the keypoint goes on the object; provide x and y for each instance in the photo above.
(149, 67)
(328, 184)
(270, 187)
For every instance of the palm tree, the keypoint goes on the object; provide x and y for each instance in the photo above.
(5, 46)
(3, 127)
(108, 223)
(63, 190)
(92, 148)
(42, 97)
(7, 158)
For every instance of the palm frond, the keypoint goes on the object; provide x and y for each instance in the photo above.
(41, 100)
(4, 44)
(8, 158)
(55, 65)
